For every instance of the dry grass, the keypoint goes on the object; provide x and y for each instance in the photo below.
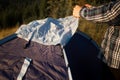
(6, 32)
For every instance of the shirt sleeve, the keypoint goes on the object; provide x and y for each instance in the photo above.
(102, 13)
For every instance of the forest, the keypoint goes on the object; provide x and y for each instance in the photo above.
(17, 12)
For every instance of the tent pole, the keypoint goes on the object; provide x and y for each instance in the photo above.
(67, 64)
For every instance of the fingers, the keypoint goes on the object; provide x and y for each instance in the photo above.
(77, 8)
(76, 11)
(88, 5)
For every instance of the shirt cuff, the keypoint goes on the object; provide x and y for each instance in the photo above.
(82, 12)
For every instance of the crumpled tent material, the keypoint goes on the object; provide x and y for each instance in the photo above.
(49, 31)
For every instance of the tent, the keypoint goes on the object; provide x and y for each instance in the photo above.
(81, 53)
(24, 59)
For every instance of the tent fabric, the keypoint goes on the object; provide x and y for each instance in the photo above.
(82, 54)
(49, 31)
(24, 68)
(47, 61)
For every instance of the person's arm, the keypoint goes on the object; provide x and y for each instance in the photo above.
(102, 13)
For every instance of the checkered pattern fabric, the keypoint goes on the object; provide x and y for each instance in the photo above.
(109, 13)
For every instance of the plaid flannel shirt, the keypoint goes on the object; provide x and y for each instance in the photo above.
(110, 46)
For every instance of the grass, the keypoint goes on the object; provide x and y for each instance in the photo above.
(8, 31)
(94, 30)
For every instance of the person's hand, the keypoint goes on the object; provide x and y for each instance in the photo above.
(88, 5)
(76, 11)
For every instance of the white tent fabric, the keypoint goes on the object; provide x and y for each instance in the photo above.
(49, 31)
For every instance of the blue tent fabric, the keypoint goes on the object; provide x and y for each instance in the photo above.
(82, 53)
(8, 38)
